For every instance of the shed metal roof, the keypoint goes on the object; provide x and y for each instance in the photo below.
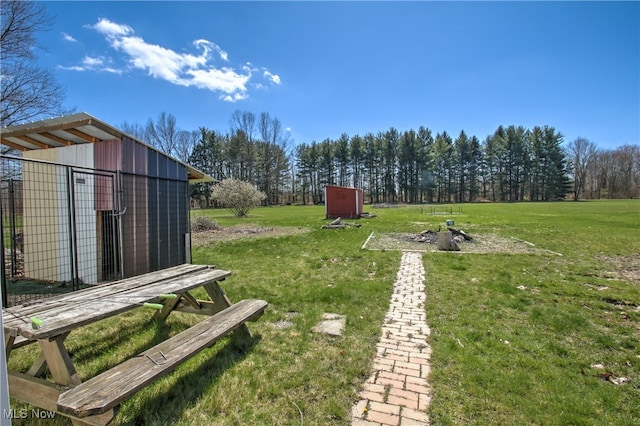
(74, 129)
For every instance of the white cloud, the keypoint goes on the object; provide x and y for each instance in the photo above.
(223, 80)
(94, 63)
(235, 97)
(274, 78)
(207, 45)
(111, 29)
(69, 38)
(184, 69)
(91, 62)
(72, 68)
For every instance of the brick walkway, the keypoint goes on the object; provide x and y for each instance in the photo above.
(397, 392)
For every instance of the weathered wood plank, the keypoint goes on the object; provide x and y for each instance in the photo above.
(206, 308)
(191, 300)
(217, 296)
(39, 366)
(110, 388)
(9, 341)
(22, 341)
(221, 301)
(22, 313)
(169, 304)
(62, 319)
(59, 362)
(44, 394)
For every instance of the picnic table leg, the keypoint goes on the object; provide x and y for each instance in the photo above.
(44, 394)
(59, 362)
(221, 302)
(8, 344)
(191, 300)
(38, 367)
(163, 313)
(217, 296)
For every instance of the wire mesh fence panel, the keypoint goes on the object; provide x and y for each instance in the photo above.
(67, 227)
(56, 224)
(35, 230)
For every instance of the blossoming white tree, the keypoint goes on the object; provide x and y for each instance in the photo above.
(237, 195)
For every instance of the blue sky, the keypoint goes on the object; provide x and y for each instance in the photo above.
(327, 68)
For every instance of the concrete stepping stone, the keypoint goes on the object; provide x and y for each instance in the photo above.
(331, 324)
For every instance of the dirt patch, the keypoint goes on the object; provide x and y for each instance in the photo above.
(479, 244)
(625, 267)
(243, 231)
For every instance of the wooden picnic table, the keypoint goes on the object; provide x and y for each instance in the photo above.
(50, 321)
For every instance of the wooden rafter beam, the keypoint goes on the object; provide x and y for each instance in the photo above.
(13, 145)
(34, 142)
(56, 138)
(82, 135)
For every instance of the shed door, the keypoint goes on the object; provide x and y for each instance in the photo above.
(95, 243)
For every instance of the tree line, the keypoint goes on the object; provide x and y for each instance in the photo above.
(512, 164)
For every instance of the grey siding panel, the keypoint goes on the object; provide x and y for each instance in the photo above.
(152, 163)
(154, 224)
(128, 155)
(164, 236)
(176, 222)
(141, 157)
(128, 226)
(142, 231)
(171, 169)
(183, 216)
(163, 166)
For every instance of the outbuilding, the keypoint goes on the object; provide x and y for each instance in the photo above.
(344, 202)
(96, 204)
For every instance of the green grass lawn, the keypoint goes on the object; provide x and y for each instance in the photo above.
(516, 338)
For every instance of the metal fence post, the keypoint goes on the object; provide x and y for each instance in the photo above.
(72, 228)
(3, 277)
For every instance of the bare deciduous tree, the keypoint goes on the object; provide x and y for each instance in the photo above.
(243, 128)
(273, 155)
(581, 152)
(185, 142)
(28, 91)
(136, 130)
(245, 121)
(163, 133)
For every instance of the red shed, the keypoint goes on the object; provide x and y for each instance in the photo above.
(341, 201)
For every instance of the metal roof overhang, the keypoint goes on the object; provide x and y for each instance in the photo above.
(74, 129)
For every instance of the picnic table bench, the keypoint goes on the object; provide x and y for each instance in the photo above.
(95, 401)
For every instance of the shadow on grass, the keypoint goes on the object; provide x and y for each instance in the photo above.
(165, 403)
(121, 338)
(126, 339)
(86, 347)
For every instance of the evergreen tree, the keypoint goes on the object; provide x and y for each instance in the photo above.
(357, 160)
(389, 142)
(342, 159)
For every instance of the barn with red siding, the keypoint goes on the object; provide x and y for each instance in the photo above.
(343, 202)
